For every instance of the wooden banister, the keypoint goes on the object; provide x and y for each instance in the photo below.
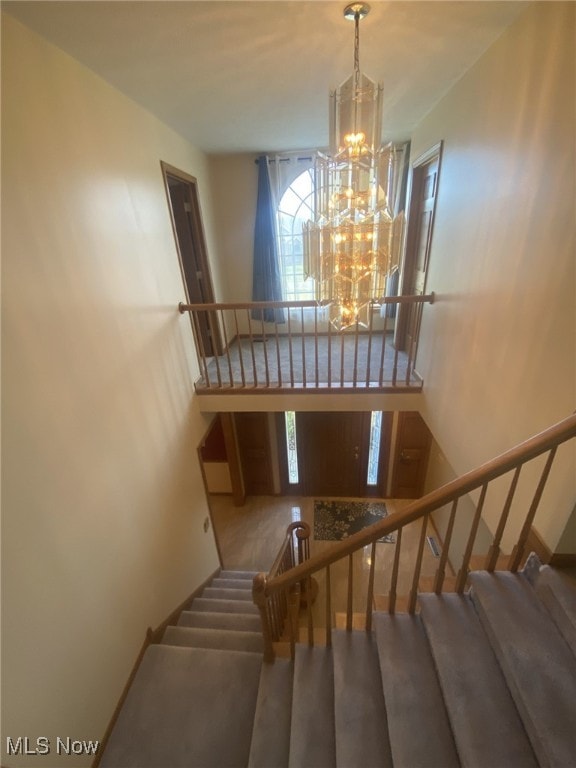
(509, 460)
(427, 298)
(294, 347)
(275, 610)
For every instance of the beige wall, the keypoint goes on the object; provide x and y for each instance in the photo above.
(103, 502)
(235, 188)
(498, 348)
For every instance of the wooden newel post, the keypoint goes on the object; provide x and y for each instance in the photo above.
(259, 598)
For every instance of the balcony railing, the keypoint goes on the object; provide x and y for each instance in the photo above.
(240, 349)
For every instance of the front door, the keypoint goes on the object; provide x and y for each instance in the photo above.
(333, 451)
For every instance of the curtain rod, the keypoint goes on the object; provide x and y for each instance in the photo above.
(286, 159)
(397, 148)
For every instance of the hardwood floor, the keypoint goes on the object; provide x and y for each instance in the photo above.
(250, 537)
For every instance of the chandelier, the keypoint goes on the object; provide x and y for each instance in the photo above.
(347, 245)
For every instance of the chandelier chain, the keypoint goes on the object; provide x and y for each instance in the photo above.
(357, 41)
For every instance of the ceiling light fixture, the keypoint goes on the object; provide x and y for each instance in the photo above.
(347, 245)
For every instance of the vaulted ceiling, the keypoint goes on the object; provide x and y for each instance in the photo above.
(239, 75)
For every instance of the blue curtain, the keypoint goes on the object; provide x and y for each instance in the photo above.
(266, 283)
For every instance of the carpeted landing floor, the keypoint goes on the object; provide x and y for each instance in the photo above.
(336, 360)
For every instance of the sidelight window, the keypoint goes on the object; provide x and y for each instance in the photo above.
(291, 450)
(374, 447)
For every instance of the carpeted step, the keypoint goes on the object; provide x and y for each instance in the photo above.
(223, 606)
(223, 639)
(212, 593)
(312, 737)
(175, 714)
(474, 688)
(538, 665)
(360, 712)
(248, 575)
(271, 733)
(418, 725)
(558, 593)
(221, 583)
(242, 622)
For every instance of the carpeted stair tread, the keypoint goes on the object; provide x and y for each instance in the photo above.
(473, 686)
(242, 622)
(221, 583)
(223, 606)
(418, 725)
(360, 711)
(249, 575)
(271, 733)
(538, 665)
(176, 715)
(312, 737)
(213, 593)
(224, 640)
(558, 593)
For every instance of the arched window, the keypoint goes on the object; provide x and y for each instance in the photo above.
(294, 209)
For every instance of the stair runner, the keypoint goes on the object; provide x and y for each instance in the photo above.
(485, 680)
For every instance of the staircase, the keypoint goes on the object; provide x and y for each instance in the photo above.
(485, 679)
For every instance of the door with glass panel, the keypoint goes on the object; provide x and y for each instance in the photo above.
(335, 454)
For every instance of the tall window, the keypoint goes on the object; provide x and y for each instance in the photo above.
(294, 209)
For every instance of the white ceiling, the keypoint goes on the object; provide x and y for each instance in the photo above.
(244, 75)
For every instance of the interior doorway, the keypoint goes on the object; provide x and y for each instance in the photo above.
(411, 453)
(182, 193)
(422, 207)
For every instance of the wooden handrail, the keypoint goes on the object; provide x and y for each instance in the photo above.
(427, 298)
(529, 449)
(297, 526)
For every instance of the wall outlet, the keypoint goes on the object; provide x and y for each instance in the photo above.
(206, 524)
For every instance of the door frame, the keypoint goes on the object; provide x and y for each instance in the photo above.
(212, 329)
(412, 230)
(376, 491)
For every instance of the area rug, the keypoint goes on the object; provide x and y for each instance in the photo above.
(336, 520)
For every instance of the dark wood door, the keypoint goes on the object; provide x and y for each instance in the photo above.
(333, 453)
(418, 245)
(189, 233)
(411, 454)
(254, 448)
